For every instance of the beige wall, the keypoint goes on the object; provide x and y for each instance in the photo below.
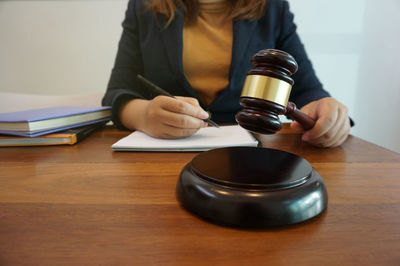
(63, 51)
(58, 47)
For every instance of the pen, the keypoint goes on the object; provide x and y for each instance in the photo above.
(160, 91)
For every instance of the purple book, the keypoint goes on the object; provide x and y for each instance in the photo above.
(32, 123)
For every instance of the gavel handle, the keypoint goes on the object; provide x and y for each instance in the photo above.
(305, 121)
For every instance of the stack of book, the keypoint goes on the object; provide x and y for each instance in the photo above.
(51, 126)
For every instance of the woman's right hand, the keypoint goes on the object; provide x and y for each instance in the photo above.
(164, 117)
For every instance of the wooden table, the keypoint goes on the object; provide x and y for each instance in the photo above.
(87, 205)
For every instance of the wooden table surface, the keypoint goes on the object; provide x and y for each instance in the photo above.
(87, 205)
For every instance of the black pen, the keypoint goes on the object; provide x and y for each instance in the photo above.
(160, 91)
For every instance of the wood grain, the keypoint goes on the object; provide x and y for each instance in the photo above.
(87, 205)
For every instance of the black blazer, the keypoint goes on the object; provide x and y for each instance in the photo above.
(155, 52)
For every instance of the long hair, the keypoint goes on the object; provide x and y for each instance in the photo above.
(237, 10)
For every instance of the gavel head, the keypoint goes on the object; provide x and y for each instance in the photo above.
(266, 91)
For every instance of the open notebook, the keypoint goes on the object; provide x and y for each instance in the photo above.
(205, 139)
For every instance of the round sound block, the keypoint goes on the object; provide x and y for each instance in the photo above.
(251, 187)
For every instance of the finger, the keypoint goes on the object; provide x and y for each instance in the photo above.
(182, 121)
(189, 100)
(182, 107)
(311, 109)
(176, 133)
(169, 132)
(341, 127)
(195, 103)
(160, 111)
(344, 138)
(333, 137)
(338, 141)
(335, 134)
(326, 120)
(341, 136)
(296, 126)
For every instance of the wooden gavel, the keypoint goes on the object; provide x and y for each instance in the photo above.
(266, 91)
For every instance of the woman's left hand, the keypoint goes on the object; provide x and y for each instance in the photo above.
(332, 125)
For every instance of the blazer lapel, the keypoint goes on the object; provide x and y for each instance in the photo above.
(242, 33)
(172, 40)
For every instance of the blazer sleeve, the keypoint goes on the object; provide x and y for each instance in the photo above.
(122, 85)
(307, 87)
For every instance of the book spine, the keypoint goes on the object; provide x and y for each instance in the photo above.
(84, 133)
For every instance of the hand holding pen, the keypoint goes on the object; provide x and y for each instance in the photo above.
(164, 116)
(161, 91)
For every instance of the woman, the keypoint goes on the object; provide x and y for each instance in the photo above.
(199, 51)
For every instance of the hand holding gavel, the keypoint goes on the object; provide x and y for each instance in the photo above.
(266, 93)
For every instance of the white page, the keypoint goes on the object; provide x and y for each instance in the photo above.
(205, 139)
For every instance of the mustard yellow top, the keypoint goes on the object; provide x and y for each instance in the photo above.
(207, 50)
